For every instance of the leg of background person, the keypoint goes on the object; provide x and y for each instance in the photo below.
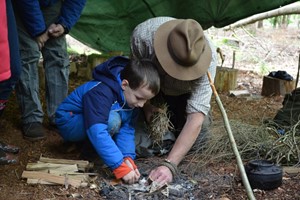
(27, 87)
(6, 87)
(56, 65)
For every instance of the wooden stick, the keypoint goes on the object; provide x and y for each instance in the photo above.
(63, 180)
(232, 142)
(233, 59)
(41, 166)
(81, 163)
(297, 78)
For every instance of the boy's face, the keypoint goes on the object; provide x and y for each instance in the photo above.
(136, 98)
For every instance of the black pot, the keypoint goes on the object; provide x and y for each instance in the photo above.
(263, 174)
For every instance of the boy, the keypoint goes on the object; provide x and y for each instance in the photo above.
(104, 110)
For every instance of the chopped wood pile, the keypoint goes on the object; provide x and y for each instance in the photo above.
(52, 171)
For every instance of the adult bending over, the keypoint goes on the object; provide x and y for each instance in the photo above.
(183, 55)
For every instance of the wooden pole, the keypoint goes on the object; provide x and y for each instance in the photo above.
(232, 142)
(233, 59)
(297, 78)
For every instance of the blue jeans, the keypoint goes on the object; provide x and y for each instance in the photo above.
(7, 86)
(56, 66)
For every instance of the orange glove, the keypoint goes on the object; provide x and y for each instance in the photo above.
(122, 170)
(131, 162)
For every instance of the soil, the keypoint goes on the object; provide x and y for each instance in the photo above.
(277, 48)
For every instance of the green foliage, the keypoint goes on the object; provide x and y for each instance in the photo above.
(230, 42)
(263, 69)
(72, 51)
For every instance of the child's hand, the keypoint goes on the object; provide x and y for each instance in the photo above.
(131, 177)
(131, 164)
(127, 171)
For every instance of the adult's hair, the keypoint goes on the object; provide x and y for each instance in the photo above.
(141, 73)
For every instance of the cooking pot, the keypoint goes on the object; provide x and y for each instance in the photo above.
(263, 174)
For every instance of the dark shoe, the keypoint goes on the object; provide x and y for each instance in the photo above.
(53, 127)
(8, 148)
(6, 158)
(34, 131)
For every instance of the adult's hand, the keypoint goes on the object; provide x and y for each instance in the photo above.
(161, 175)
(42, 39)
(56, 30)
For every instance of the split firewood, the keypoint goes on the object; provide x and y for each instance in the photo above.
(62, 180)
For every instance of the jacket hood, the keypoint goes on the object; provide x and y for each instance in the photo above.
(108, 72)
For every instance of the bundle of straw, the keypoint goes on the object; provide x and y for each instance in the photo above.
(160, 124)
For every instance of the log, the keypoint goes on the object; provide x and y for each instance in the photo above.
(40, 166)
(226, 79)
(291, 170)
(63, 180)
(239, 93)
(82, 164)
(276, 87)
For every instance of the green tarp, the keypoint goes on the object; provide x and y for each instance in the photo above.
(106, 25)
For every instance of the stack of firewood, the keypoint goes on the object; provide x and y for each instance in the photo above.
(59, 172)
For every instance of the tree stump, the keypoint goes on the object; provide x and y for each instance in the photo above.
(275, 87)
(226, 79)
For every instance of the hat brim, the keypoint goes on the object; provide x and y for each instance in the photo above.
(169, 65)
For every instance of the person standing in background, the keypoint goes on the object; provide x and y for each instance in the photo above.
(42, 26)
(10, 69)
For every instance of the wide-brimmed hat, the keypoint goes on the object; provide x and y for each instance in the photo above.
(181, 49)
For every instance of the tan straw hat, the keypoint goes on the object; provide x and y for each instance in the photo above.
(181, 49)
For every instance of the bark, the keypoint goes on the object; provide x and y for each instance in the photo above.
(293, 8)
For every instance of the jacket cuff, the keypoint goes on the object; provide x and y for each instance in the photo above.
(66, 29)
(131, 162)
(39, 34)
(122, 170)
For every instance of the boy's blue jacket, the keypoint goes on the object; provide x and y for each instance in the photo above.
(95, 99)
(32, 16)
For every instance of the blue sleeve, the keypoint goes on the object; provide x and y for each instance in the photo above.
(70, 12)
(96, 107)
(105, 146)
(125, 139)
(32, 16)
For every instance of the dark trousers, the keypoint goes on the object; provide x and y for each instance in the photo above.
(177, 107)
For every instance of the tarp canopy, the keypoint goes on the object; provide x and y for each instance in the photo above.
(106, 25)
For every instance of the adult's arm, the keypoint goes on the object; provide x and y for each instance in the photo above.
(33, 19)
(70, 13)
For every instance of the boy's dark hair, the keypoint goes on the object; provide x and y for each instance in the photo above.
(141, 72)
